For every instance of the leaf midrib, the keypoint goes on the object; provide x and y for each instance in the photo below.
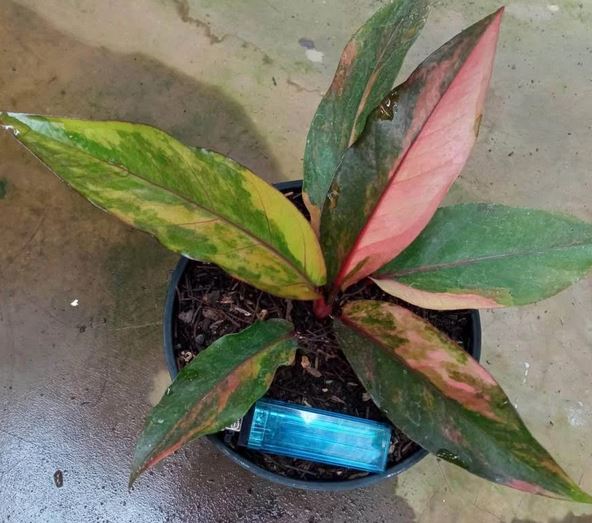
(464, 262)
(219, 216)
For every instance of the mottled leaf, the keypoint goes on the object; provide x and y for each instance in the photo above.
(196, 202)
(444, 400)
(215, 389)
(483, 255)
(391, 181)
(366, 72)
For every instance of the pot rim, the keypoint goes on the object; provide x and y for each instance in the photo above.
(408, 462)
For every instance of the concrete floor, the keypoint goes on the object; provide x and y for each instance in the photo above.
(75, 382)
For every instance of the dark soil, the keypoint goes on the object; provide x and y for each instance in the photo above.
(210, 304)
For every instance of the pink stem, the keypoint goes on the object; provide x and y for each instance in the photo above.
(321, 309)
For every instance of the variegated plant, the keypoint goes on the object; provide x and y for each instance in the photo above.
(378, 163)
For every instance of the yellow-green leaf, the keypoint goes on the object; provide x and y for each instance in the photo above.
(196, 202)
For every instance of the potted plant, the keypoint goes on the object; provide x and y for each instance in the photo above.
(378, 163)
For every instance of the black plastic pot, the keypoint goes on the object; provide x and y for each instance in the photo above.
(474, 348)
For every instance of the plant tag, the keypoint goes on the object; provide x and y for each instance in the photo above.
(316, 435)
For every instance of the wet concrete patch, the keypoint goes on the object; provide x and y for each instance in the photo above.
(137, 298)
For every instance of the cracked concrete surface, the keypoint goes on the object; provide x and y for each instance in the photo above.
(75, 382)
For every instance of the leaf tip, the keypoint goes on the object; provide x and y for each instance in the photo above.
(13, 122)
(496, 17)
(138, 467)
(581, 496)
(132, 479)
(4, 115)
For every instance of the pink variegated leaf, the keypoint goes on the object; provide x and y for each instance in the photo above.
(444, 400)
(366, 73)
(391, 181)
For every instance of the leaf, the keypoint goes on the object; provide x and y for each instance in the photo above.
(214, 390)
(366, 72)
(444, 400)
(196, 202)
(391, 181)
(482, 255)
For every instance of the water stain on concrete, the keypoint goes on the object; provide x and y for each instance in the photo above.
(184, 13)
(137, 269)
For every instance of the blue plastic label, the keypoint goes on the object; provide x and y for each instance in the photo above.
(318, 435)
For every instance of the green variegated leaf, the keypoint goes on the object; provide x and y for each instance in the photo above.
(484, 255)
(367, 70)
(215, 389)
(444, 400)
(196, 202)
